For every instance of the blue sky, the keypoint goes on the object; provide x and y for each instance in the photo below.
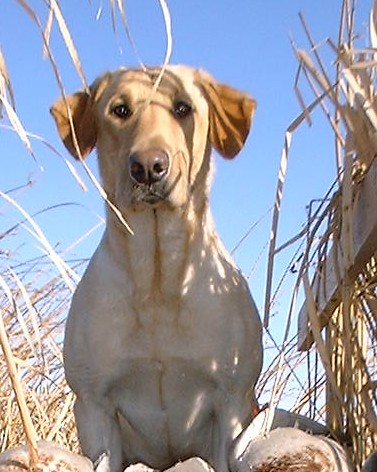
(245, 43)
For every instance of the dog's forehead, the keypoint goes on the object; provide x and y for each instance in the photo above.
(174, 81)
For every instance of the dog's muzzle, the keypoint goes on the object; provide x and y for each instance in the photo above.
(148, 170)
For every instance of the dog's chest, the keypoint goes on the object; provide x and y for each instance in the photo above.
(160, 307)
(184, 321)
(160, 301)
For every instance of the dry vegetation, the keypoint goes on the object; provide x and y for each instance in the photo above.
(337, 270)
(339, 347)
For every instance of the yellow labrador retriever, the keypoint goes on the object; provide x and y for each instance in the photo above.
(163, 339)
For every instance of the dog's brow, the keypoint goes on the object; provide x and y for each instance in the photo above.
(170, 84)
(169, 77)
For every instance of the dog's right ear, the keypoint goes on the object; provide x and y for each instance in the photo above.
(230, 115)
(75, 118)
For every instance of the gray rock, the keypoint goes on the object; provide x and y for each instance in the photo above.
(370, 464)
(51, 457)
(290, 449)
(191, 465)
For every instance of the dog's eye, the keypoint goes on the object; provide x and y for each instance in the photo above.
(182, 109)
(122, 111)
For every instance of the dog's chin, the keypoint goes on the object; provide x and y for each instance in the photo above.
(155, 202)
(153, 199)
(139, 200)
(149, 201)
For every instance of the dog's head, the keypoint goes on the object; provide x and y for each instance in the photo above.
(154, 135)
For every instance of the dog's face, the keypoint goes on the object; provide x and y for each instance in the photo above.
(147, 140)
(153, 136)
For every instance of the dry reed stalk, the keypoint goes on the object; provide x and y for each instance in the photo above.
(67, 273)
(8, 107)
(68, 41)
(272, 250)
(30, 433)
(122, 11)
(5, 82)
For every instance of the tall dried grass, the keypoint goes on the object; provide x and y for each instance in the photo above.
(334, 378)
(342, 336)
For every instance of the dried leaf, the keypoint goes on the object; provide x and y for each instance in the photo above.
(373, 25)
(6, 81)
(15, 121)
(127, 29)
(47, 32)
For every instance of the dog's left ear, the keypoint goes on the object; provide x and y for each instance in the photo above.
(230, 116)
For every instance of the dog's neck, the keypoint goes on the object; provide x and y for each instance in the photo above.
(160, 255)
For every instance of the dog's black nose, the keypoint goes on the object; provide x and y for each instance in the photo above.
(148, 167)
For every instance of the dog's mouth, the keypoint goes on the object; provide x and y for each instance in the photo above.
(148, 194)
(141, 196)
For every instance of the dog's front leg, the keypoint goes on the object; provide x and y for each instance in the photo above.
(99, 435)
